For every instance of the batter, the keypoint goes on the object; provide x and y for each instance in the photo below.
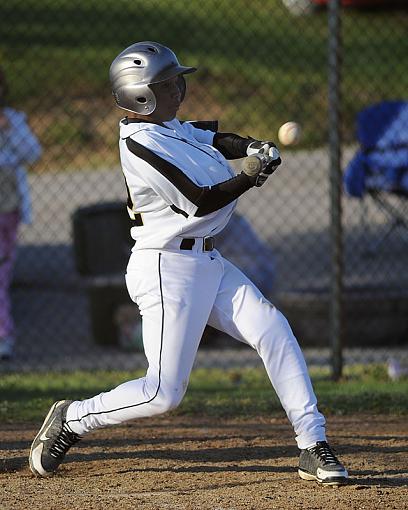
(181, 193)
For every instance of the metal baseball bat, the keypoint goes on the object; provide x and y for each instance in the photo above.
(253, 164)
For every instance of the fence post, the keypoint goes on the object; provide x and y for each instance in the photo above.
(336, 247)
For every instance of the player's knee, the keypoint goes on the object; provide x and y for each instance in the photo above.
(167, 399)
(272, 329)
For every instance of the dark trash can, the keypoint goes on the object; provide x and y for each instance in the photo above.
(102, 245)
(106, 296)
(101, 235)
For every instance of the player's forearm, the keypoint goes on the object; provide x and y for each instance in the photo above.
(256, 169)
(222, 194)
(230, 145)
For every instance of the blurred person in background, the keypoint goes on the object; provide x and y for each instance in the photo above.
(18, 147)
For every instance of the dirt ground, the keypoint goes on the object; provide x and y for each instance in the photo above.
(183, 463)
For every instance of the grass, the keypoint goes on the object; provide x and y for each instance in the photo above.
(212, 392)
(259, 66)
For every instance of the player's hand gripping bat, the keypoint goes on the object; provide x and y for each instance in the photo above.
(262, 160)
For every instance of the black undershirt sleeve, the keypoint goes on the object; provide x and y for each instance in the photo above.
(207, 199)
(231, 146)
(222, 194)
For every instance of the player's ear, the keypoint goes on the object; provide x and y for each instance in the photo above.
(181, 83)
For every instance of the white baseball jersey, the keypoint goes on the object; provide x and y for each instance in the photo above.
(166, 169)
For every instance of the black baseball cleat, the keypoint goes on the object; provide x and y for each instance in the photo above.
(319, 463)
(52, 441)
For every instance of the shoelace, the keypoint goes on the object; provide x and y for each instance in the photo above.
(63, 443)
(323, 451)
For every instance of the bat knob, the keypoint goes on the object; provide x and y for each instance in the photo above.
(252, 165)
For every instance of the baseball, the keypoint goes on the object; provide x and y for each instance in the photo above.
(289, 133)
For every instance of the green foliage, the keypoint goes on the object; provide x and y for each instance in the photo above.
(259, 66)
(212, 392)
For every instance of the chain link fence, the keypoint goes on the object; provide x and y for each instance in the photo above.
(261, 64)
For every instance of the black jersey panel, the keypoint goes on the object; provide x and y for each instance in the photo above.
(230, 145)
(207, 199)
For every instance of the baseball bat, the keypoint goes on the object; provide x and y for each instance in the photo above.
(253, 164)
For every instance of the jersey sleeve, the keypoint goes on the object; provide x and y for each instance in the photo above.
(166, 180)
(175, 187)
(201, 135)
(24, 143)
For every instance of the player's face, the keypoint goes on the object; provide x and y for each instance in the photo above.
(168, 99)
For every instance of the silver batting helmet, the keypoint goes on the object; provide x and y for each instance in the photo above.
(139, 66)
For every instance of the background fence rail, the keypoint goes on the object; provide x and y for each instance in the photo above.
(260, 65)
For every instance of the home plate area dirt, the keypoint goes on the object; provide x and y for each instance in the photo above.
(184, 463)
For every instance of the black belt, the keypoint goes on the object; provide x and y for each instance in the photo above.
(188, 242)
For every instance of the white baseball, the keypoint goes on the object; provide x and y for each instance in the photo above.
(289, 133)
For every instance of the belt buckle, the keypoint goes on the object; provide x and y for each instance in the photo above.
(208, 244)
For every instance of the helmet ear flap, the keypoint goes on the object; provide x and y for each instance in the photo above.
(181, 82)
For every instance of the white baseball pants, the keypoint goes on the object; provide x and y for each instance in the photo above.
(178, 293)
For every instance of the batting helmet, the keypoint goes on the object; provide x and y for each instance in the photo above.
(139, 66)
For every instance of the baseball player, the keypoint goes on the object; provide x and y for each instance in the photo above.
(181, 193)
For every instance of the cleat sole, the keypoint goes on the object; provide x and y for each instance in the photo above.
(334, 481)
